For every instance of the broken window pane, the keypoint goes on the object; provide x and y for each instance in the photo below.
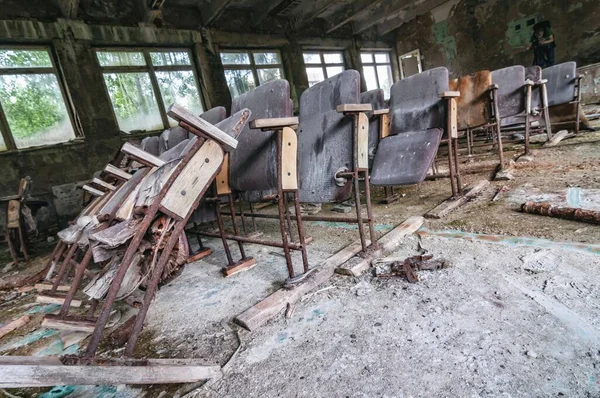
(168, 58)
(134, 101)
(24, 59)
(265, 75)
(267, 58)
(315, 75)
(235, 58)
(384, 73)
(35, 109)
(333, 58)
(121, 58)
(312, 58)
(382, 58)
(239, 81)
(334, 70)
(370, 77)
(179, 87)
(2, 144)
(366, 58)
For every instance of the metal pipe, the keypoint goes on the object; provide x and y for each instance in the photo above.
(62, 271)
(245, 239)
(307, 218)
(498, 127)
(79, 271)
(300, 225)
(457, 167)
(240, 203)
(234, 222)
(451, 162)
(361, 231)
(369, 208)
(221, 234)
(280, 207)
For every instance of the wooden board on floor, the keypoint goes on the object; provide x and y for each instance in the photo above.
(28, 274)
(260, 313)
(453, 203)
(387, 244)
(55, 299)
(14, 325)
(20, 372)
(40, 287)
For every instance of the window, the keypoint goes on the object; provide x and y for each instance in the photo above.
(245, 70)
(142, 84)
(377, 70)
(321, 65)
(33, 108)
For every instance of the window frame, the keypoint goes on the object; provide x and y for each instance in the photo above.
(151, 70)
(323, 65)
(5, 130)
(375, 64)
(252, 65)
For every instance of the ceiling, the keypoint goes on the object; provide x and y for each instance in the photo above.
(329, 17)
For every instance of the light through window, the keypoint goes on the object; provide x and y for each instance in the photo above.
(33, 108)
(246, 70)
(321, 65)
(142, 84)
(377, 71)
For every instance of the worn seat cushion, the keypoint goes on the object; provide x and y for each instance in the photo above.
(511, 90)
(561, 83)
(473, 105)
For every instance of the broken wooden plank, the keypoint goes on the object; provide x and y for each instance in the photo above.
(47, 286)
(179, 113)
(14, 325)
(387, 244)
(55, 299)
(103, 184)
(556, 139)
(260, 313)
(274, 123)
(447, 206)
(117, 172)
(347, 108)
(20, 372)
(93, 191)
(72, 323)
(141, 156)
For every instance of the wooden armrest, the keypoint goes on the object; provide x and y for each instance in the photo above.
(579, 77)
(493, 87)
(117, 172)
(449, 94)
(92, 191)
(181, 114)
(378, 112)
(348, 108)
(103, 184)
(541, 81)
(141, 156)
(274, 123)
(529, 83)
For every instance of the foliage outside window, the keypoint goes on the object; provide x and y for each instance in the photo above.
(377, 70)
(321, 65)
(142, 84)
(33, 108)
(246, 70)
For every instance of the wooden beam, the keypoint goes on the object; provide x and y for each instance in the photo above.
(346, 108)
(312, 9)
(69, 8)
(401, 17)
(21, 372)
(210, 12)
(14, 325)
(141, 156)
(180, 114)
(117, 172)
(356, 10)
(378, 13)
(274, 123)
(268, 9)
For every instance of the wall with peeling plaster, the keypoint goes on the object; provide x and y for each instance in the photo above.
(471, 35)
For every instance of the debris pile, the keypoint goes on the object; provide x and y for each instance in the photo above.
(391, 267)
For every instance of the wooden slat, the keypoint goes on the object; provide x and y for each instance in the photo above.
(40, 287)
(449, 94)
(274, 123)
(47, 299)
(20, 372)
(384, 126)
(103, 184)
(14, 325)
(222, 179)
(452, 118)
(80, 325)
(194, 178)
(363, 141)
(378, 112)
(447, 206)
(141, 156)
(92, 191)
(117, 172)
(289, 154)
(260, 313)
(345, 108)
(179, 113)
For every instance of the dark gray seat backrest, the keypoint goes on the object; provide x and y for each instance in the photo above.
(415, 104)
(325, 141)
(511, 91)
(171, 138)
(377, 101)
(252, 166)
(561, 83)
